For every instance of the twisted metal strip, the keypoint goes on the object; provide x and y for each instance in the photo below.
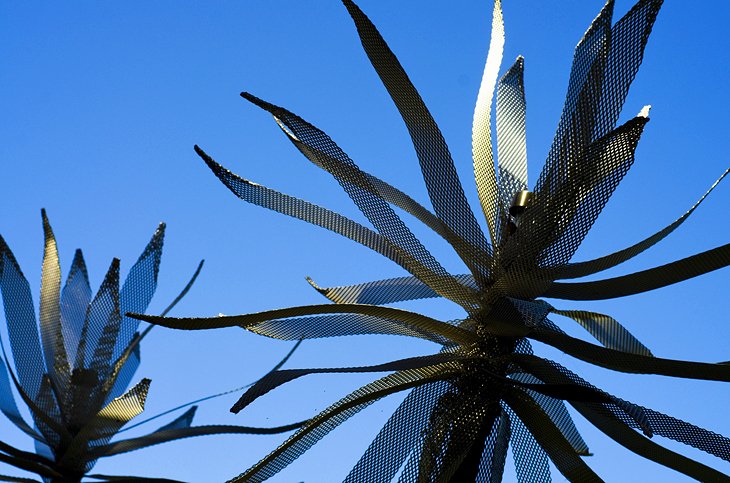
(556, 224)
(590, 267)
(531, 461)
(377, 211)
(454, 441)
(75, 299)
(100, 362)
(54, 349)
(629, 37)
(27, 465)
(399, 437)
(388, 291)
(437, 166)
(25, 343)
(318, 427)
(558, 414)
(616, 423)
(9, 407)
(607, 330)
(574, 128)
(645, 280)
(260, 195)
(49, 405)
(173, 434)
(132, 479)
(278, 378)
(511, 134)
(36, 412)
(478, 264)
(605, 64)
(689, 434)
(119, 378)
(632, 363)
(417, 322)
(136, 293)
(97, 316)
(551, 439)
(494, 455)
(646, 448)
(481, 134)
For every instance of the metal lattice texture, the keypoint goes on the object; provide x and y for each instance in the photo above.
(511, 134)
(74, 377)
(396, 440)
(459, 421)
(439, 172)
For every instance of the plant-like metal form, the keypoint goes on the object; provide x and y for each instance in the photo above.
(486, 389)
(74, 377)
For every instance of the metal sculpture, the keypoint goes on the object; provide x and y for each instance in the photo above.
(74, 377)
(486, 390)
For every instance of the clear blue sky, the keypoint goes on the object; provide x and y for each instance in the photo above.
(101, 104)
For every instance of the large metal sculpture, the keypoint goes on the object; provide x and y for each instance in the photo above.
(486, 390)
(74, 377)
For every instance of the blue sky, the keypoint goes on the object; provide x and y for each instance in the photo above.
(102, 103)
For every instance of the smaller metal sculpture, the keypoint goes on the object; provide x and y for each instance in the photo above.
(74, 377)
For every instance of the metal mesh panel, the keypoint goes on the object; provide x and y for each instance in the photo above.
(531, 461)
(378, 212)
(20, 317)
(138, 289)
(478, 260)
(93, 346)
(339, 325)
(574, 130)
(558, 414)
(481, 133)
(72, 410)
(125, 374)
(559, 450)
(7, 403)
(54, 348)
(491, 467)
(645, 280)
(273, 200)
(629, 37)
(381, 292)
(634, 416)
(605, 63)
(689, 434)
(439, 172)
(277, 378)
(399, 437)
(455, 424)
(607, 330)
(511, 135)
(100, 429)
(556, 223)
(317, 427)
(49, 405)
(627, 362)
(589, 267)
(268, 321)
(75, 299)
